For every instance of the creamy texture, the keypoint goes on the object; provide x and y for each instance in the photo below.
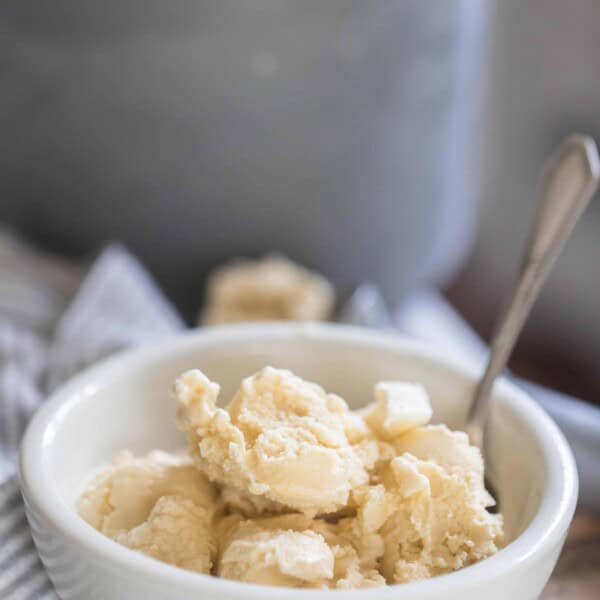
(281, 439)
(159, 504)
(436, 502)
(293, 550)
(270, 289)
(289, 487)
(399, 406)
(274, 555)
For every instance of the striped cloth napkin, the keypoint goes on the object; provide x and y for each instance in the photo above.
(56, 318)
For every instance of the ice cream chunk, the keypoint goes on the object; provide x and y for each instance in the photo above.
(280, 438)
(177, 531)
(449, 449)
(270, 289)
(436, 501)
(159, 504)
(294, 551)
(363, 530)
(399, 406)
(277, 557)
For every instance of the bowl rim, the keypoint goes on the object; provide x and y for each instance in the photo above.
(546, 529)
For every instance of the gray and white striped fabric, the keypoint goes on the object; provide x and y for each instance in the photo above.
(56, 318)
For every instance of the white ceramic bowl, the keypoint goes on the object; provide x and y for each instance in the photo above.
(124, 403)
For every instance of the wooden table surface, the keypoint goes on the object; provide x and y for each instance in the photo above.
(577, 574)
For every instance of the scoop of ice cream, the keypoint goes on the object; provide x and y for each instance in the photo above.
(277, 557)
(293, 551)
(449, 449)
(436, 502)
(177, 531)
(281, 438)
(148, 503)
(399, 406)
(273, 288)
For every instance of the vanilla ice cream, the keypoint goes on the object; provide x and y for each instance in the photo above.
(286, 486)
(280, 438)
(398, 407)
(439, 522)
(160, 505)
(292, 550)
(270, 289)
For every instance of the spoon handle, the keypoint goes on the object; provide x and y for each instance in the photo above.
(569, 180)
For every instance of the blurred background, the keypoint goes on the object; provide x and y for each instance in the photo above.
(384, 141)
(542, 85)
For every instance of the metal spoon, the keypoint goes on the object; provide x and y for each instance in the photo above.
(569, 180)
